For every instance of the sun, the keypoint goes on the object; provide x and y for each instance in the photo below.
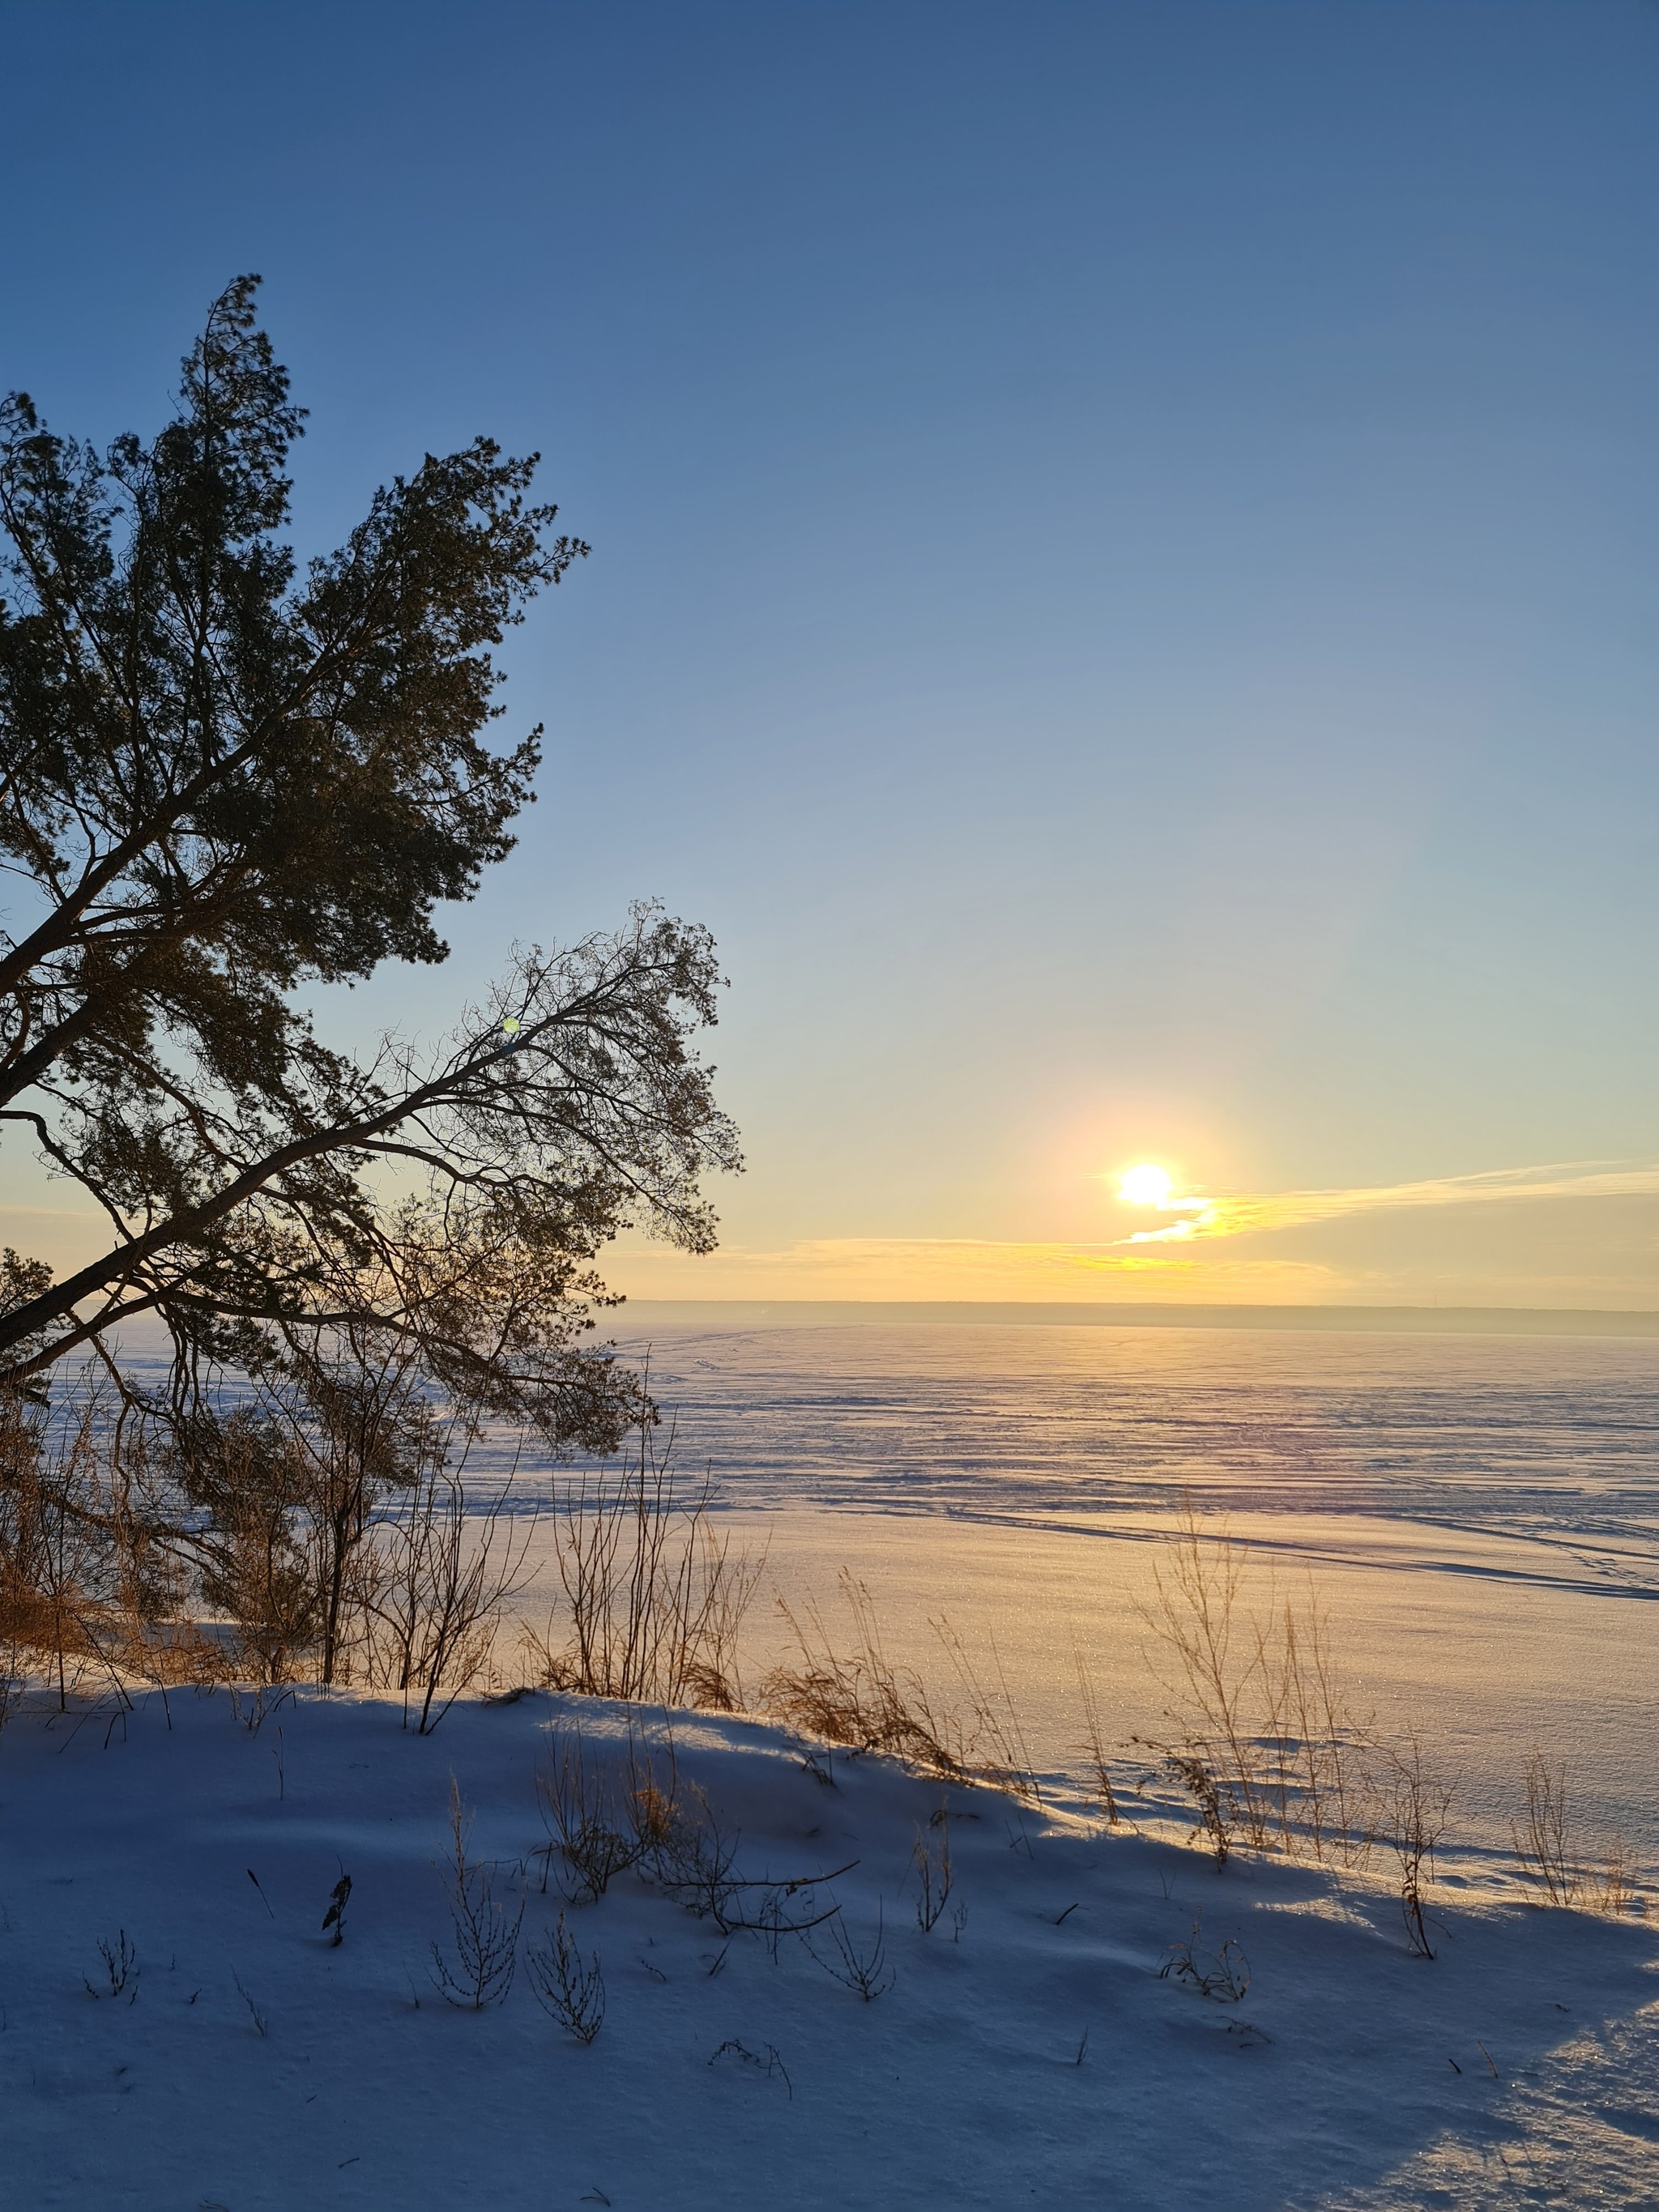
(1145, 1185)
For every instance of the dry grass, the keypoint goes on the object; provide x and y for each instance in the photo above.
(996, 1749)
(857, 1696)
(851, 1692)
(1263, 1740)
(1543, 1838)
(1094, 1743)
(1613, 1889)
(1550, 1852)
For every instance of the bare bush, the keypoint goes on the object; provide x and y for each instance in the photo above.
(1419, 1814)
(695, 1858)
(596, 1837)
(860, 1967)
(446, 1569)
(654, 1597)
(683, 1847)
(1223, 1975)
(480, 1970)
(931, 1861)
(120, 1974)
(252, 1708)
(569, 1990)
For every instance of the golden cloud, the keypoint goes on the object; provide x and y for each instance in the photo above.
(1233, 1214)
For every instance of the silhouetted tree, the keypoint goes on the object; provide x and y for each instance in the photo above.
(224, 776)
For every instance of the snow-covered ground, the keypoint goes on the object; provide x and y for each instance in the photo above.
(1032, 2056)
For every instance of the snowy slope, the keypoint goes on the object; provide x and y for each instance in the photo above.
(1517, 2068)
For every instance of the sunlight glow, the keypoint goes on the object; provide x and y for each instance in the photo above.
(1145, 1185)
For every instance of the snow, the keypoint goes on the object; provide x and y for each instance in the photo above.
(1517, 2067)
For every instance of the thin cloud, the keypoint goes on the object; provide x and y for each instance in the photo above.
(1234, 1215)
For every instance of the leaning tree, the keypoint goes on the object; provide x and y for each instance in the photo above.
(225, 776)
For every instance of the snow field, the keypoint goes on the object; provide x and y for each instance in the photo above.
(1517, 2067)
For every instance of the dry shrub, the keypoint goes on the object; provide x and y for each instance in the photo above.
(1213, 1804)
(591, 1828)
(1264, 1742)
(654, 1598)
(1419, 1809)
(568, 1989)
(690, 1853)
(679, 1842)
(934, 1881)
(859, 1966)
(1223, 1975)
(478, 1970)
(120, 1974)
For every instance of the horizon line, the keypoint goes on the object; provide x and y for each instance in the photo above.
(1617, 1321)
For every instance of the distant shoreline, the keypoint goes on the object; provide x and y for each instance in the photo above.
(1421, 1320)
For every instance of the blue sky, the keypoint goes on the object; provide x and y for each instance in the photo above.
(1123, 575)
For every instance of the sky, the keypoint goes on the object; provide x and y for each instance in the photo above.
(1122, 579)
